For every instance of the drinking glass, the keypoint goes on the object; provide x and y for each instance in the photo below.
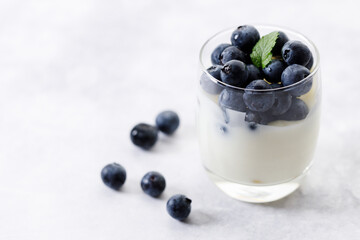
(252, 158)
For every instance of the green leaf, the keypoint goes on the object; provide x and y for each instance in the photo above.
(261, 54)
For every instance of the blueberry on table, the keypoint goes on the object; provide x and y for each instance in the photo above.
(258, 101)
(232, 99)
(209, 85)
(253, 72)
(273, 71)
(215, 55)
(167, 122)
(144, 135)
(293, 74)
(113, 175)
(297, 111)
(179, 207)
(234, 73)
(232, 53)
(245, 37)
(295, 52)
(153, 184)
(280, 41)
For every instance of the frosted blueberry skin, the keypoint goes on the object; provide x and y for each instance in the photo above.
(215, 55)
(232, 53)
(179, 207)
(280, 41)
(207, 84)
(232, 99)
(273, 71)
(295, 52)
(297, 111)
(144, 135)
(253, 73)
(167, 122)
(234, 73)
(310, 63)
(153, 184)
(293, 74)
(258, 101)
(113, 175)
(245, 37)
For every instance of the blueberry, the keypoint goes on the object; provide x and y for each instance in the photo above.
(295, 52)
(293, 74)
(253, 72)
(153, 184)
(282, 103)
(258, 117)
(280, 41)
(245, 37)
(167, 122)
(232, 53)
(258, 101)
(144, 135)
(209, 85)
(274, 70)
(234, 73)
(297, 111)
(232, 99)
(310, 63)
(113, 175)
(179, 207)
(215, 55)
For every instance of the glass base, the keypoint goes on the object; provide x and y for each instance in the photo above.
(256, 193)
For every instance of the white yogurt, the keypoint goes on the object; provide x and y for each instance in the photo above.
(270, 154)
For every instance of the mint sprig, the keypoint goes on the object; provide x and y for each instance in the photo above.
(261, 54)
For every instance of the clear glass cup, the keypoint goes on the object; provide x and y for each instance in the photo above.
(259, 161)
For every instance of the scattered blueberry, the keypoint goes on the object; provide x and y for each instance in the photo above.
(209, 85)
(253, 126)
(297, 111)
(273, 71)
(113, 175)
(253, 72)
(232, 99)
(215, 55)
(167, 122)
(153, 184)
(310, 63)
(295, 52)
(245, 37)
(280, 41)
(258, 101)
(179, 207)
(293, 74)
(234, 73)
(144, 135)
(232, 53)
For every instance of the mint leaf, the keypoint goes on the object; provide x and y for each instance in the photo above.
(261, 54)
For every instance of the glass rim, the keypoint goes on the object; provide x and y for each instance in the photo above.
(280, 28)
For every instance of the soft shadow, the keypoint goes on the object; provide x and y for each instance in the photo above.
(198, 217)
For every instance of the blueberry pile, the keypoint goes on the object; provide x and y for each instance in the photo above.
(153, 184)
(145, 135)
(259, 66)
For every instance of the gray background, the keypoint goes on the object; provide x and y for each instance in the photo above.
(75, 76)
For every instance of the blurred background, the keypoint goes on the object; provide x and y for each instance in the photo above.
(76, 76)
